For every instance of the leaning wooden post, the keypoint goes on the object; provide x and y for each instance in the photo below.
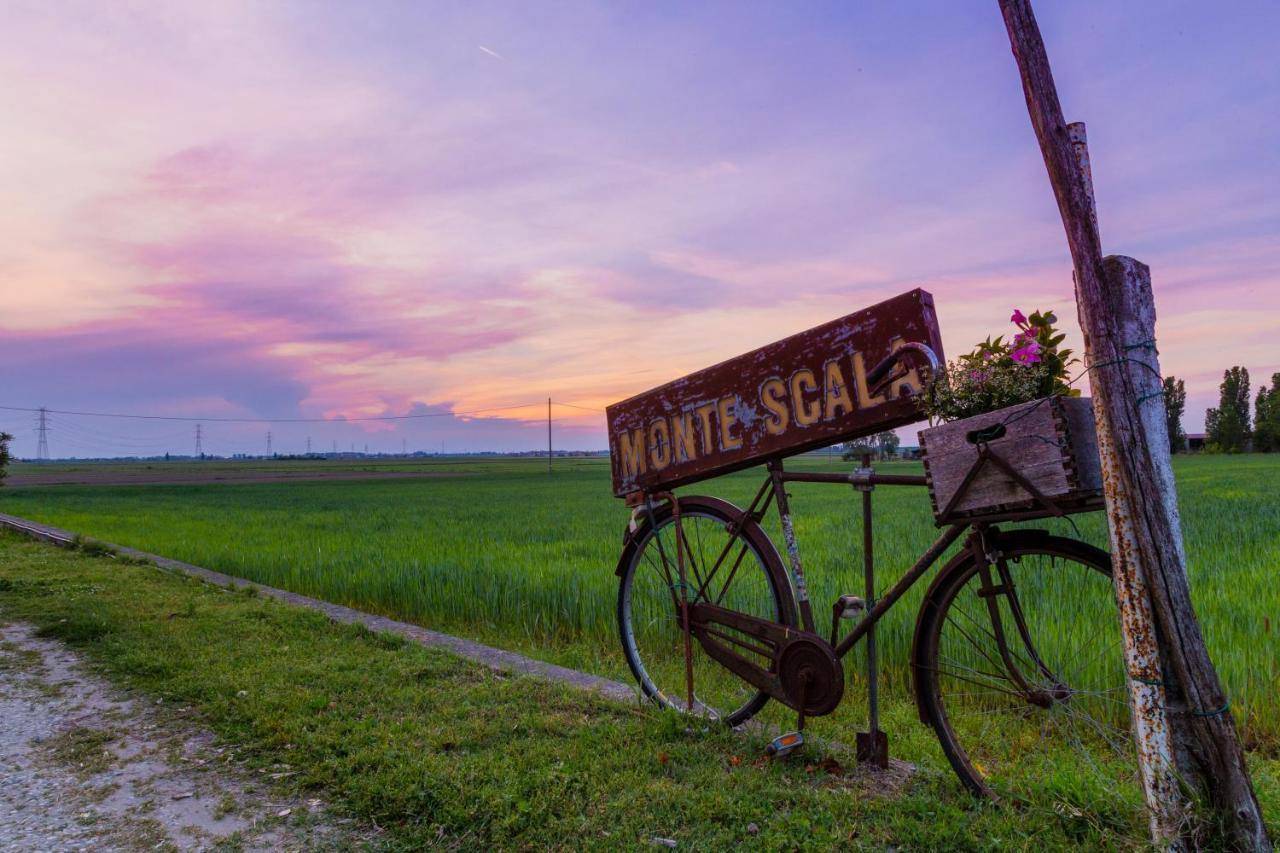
(1115, 305)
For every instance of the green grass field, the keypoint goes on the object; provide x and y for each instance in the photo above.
(512, 556)
(427, 751)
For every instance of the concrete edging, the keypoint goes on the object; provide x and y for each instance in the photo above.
(497, 659)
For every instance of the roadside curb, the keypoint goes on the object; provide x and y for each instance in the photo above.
(496, 659)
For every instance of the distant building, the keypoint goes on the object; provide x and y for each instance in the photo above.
(1195, 441)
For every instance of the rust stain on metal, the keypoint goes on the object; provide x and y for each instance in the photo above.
(803, 392)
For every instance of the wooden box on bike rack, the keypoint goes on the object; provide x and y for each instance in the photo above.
(1052, 443)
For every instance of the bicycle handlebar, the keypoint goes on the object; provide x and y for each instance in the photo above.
(881, 373)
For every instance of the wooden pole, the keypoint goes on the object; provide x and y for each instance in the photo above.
(548, 435)
(1115, 305)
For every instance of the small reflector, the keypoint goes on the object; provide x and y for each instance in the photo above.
(784, 743)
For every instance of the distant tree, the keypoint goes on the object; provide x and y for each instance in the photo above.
(1266, 417)
(5, 438)
(887, 442)
(853, 450)
(1175, 402)
(1227, 427)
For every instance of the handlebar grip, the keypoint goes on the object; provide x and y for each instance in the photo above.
(881, 371)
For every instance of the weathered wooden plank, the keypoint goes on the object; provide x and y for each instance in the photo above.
(803, 392)
(1050, 442)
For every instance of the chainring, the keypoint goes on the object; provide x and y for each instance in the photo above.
(808, 667)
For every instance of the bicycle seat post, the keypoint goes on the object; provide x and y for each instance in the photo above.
(872, 746)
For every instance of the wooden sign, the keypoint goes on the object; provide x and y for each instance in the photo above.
(800, 393)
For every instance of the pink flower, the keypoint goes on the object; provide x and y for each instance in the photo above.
(1018, 318)
(1027, 352)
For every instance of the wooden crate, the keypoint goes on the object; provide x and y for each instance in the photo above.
(1051, 442)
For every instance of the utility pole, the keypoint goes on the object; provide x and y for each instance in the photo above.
(548, 435)
(200, 440)
(404, 447)
(42, 428)
(268, 442)
(335, 447)
(1168, 665)
(308, 445)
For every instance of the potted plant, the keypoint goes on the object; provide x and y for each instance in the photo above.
(1012, 437)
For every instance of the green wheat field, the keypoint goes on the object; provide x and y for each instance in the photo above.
(500, 551)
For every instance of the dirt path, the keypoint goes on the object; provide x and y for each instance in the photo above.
(86, 767)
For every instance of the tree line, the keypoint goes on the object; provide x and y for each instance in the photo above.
(1229, 427)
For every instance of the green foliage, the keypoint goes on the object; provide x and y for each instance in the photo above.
(1227, 427)
(1266, 420)
(888, 443)
(5, 438)
(882, 445)
(92, 546)
(1175, 403)
(1000, 373)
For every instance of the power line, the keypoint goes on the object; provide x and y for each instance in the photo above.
(583, 408)
(277, 420)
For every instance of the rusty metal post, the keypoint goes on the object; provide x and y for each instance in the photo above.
(873, 746)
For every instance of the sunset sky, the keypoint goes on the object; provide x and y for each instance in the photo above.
(322, 210)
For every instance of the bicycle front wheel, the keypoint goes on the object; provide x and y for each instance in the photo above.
(1021, 674)
(741, 572)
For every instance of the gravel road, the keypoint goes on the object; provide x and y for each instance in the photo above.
(88, 767)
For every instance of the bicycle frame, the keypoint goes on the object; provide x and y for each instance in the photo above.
(706, 618)
(864, 480)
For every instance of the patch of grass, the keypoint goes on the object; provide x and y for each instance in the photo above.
(14, 658)
(445, 753)
(82, 749)
(77, 628)
(92, 547)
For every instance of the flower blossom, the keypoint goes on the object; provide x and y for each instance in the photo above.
(1027, 351)
(1018, 318)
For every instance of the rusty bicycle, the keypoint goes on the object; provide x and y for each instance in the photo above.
(1015, 659)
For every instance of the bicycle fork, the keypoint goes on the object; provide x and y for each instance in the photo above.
(987, 556)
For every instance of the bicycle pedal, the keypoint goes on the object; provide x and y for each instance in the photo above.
(850, 607)
(784, 744)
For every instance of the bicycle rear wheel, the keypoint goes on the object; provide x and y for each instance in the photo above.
(743, 573)
(1049, 710)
